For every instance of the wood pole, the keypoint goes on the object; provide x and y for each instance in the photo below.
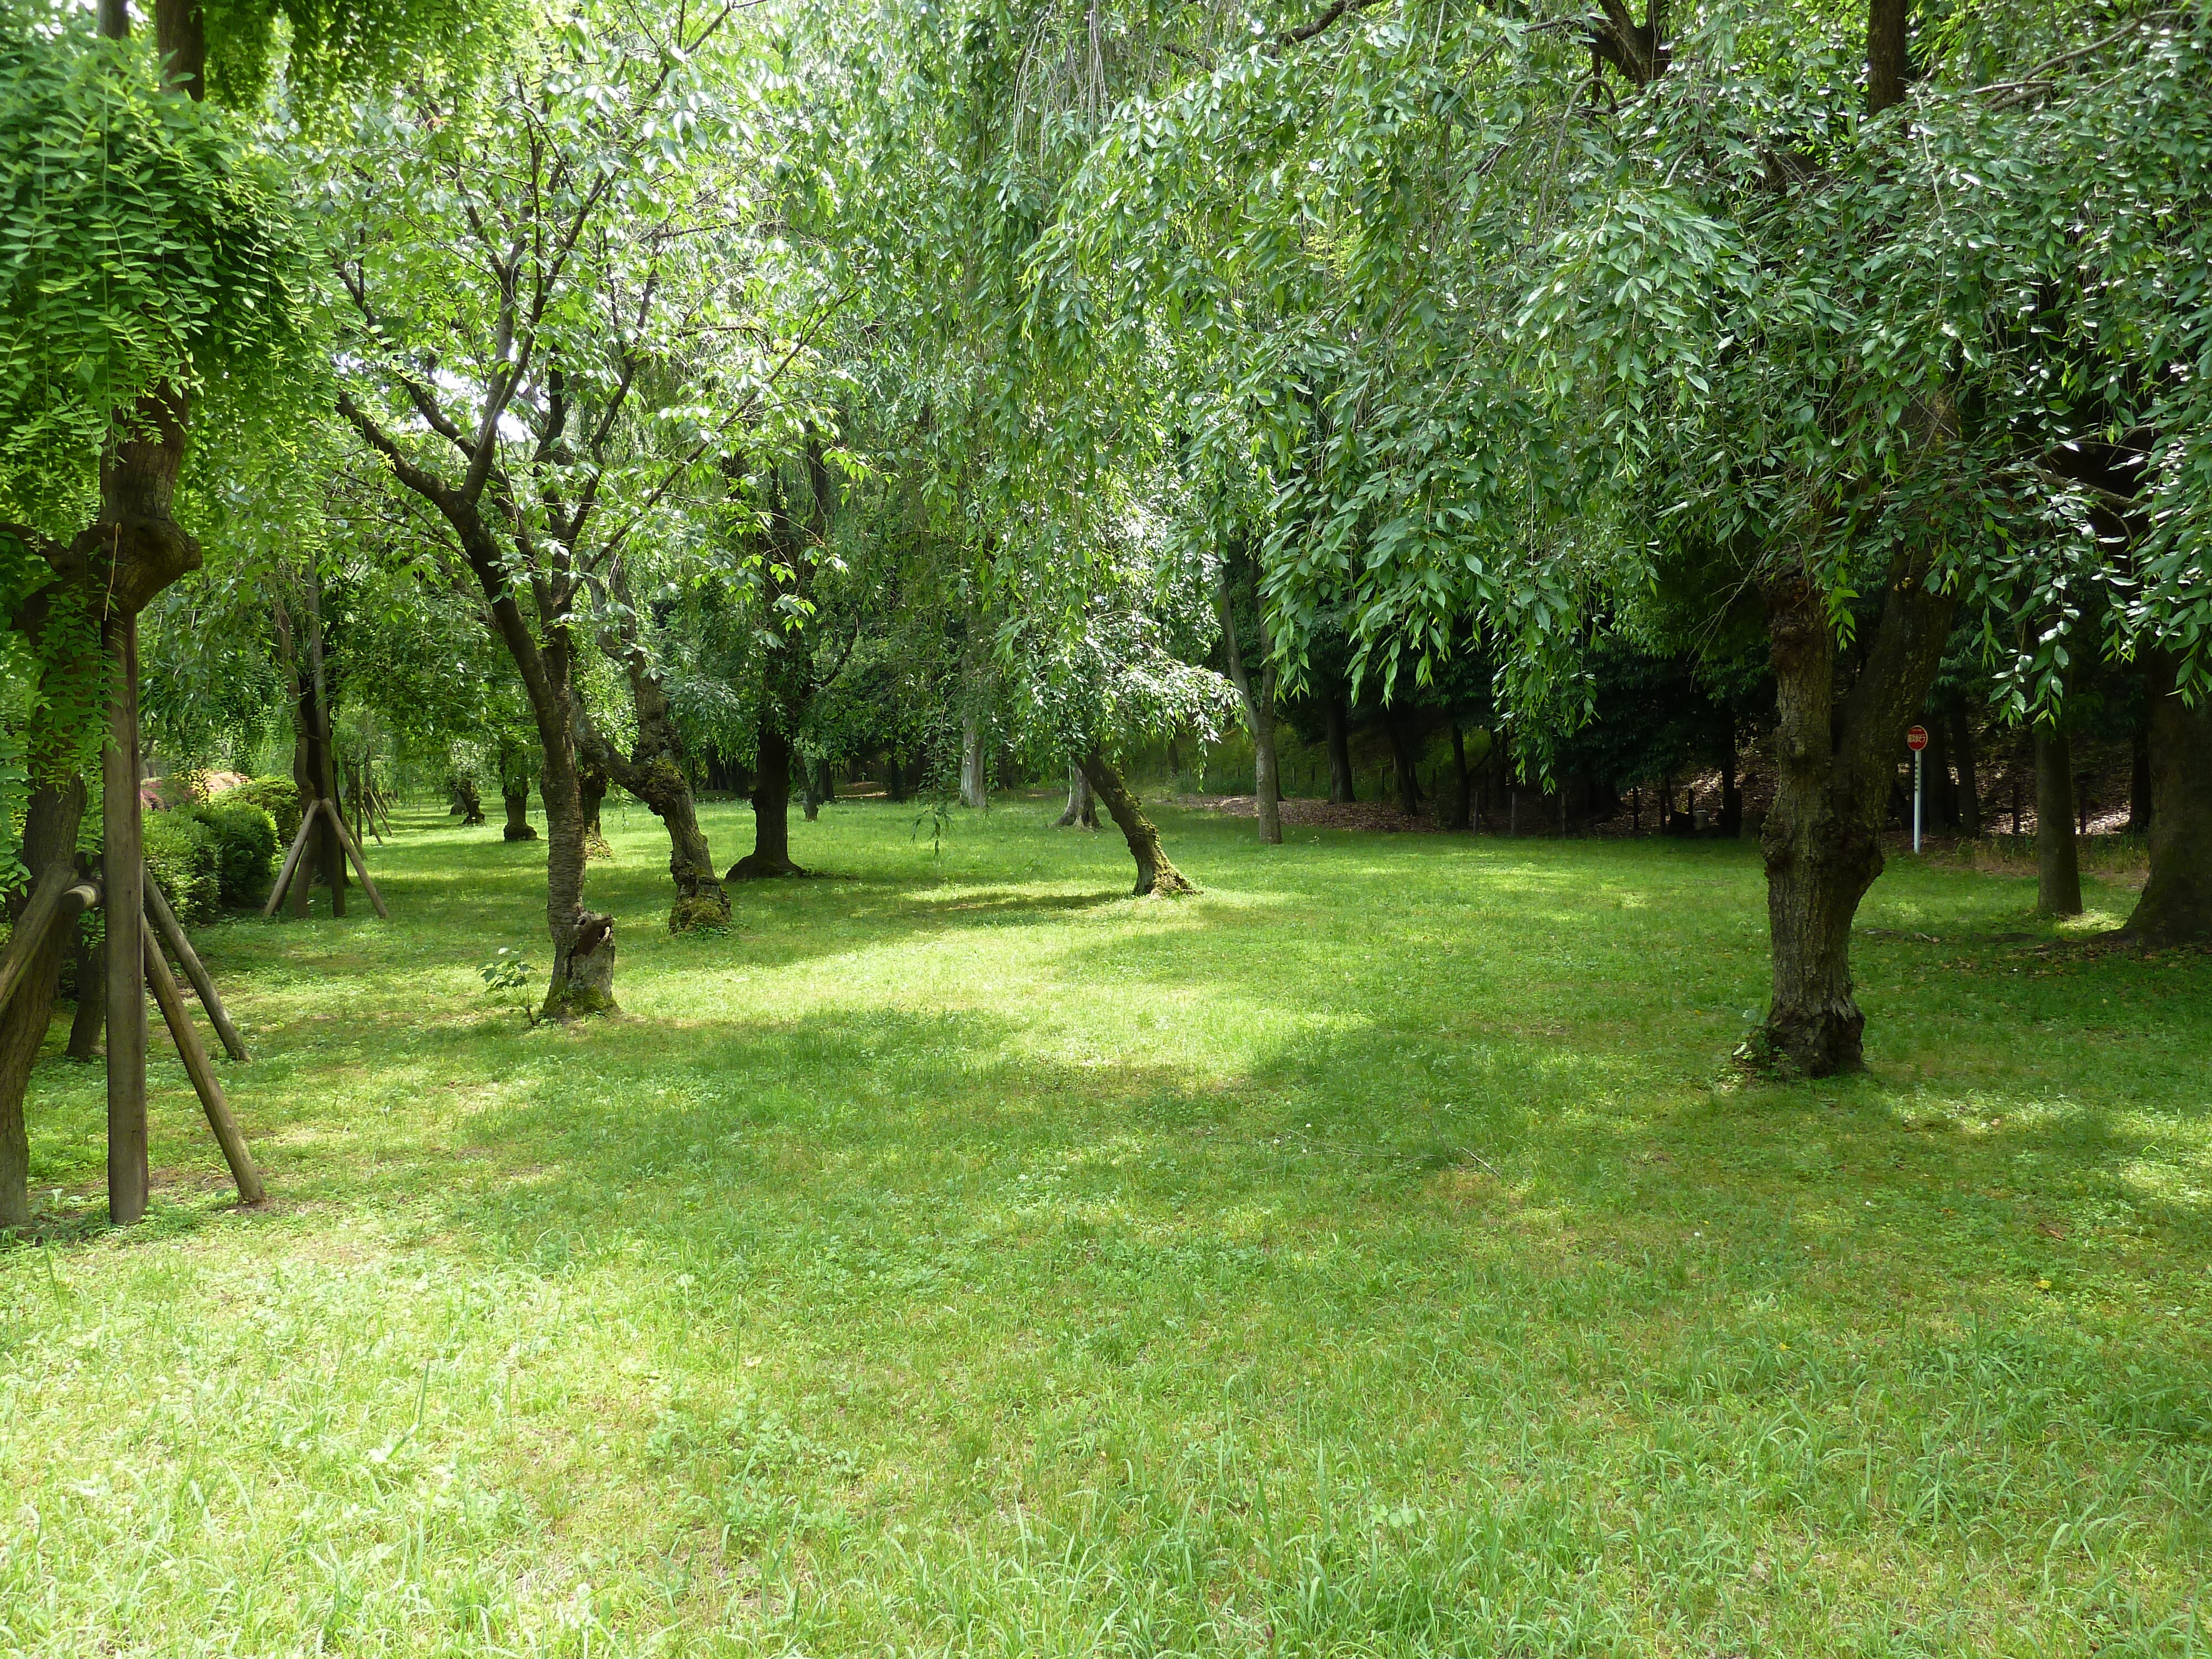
(291, 861)
(193, 1053)
(165, 923)
(360, 867)
(124, 865)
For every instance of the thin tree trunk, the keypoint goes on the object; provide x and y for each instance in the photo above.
(1969, 787)
(1082, 805)
(1155, 873)
(771, 853)
(975, 788)
(1822, 841)
(1403, 761)
(2057, 863)
(1340, 788)
(1259, 710)
(1458, 808)
(1731, 821)
(2176, 906)
(1939, 803)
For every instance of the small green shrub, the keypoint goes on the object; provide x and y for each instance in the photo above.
(181, 854)
(245, 846)
(278, 797)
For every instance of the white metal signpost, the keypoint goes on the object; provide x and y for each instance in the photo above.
(1916, 740)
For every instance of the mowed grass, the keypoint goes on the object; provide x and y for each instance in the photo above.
(1373, 1255)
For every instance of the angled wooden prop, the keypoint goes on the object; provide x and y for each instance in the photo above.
(165, 923)
(360, 868)
(291, 860)
(190, 1050)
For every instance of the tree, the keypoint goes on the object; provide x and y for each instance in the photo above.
(523, 263)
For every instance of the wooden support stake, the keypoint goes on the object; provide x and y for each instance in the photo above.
(291, 860)
(194, 1054)
(124, 865)
(165, 923)
(361, 868)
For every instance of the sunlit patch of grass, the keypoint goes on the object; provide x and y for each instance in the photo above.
(1374, 1253)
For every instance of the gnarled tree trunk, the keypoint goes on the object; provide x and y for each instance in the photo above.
(1822, 841)
(2176, 906)
(1156, 872)
(2058, 860)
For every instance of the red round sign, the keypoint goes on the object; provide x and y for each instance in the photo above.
(1916, 738)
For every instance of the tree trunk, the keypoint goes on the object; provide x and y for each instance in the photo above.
(50, 829)
(1458, 808)
(517, 797)
(1341, 790)
(771, 853)
(592, 791)
(2176, 906)
(1259, 710)
(975, 788)
(1402, 761)
(1731, 819)
(2139, 791)
(1969, 787)
(895, 788)
(1822, 841)
(468, 803)
(1939, 803)
(2058, 864)
(1156, 873)
(1887, 65)
(91, 1006)
(1082, 811)
(657, 771)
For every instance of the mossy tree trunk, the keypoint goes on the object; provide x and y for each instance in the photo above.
(2176, 906)
(1156, 872)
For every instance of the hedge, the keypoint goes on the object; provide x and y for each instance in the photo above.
(245, 836)
(182, 856)
(278, 797)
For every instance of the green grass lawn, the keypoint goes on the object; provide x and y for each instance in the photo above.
(1374, 1255)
